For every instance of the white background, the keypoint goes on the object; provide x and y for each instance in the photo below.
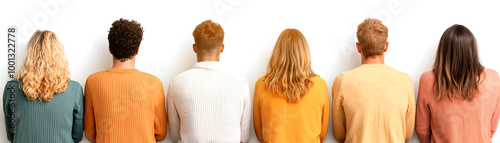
(251, 29)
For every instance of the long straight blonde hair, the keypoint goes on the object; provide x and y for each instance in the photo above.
(45, 71)
(289, 74)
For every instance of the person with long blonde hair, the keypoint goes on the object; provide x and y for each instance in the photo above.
(291, 102)
(43, 104)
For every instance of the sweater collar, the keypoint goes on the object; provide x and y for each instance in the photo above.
(211, 65)
(373, 65)
(122, 70)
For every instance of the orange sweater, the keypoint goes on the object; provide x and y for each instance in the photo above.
(124, 105)
(277, 121)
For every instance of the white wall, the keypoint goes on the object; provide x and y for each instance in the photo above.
(251, 29)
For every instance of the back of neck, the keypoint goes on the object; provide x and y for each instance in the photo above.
(373, 60)
(128, 64)
(207, 59)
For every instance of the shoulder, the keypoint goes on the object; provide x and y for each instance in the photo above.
(236, 79)
(12, 84)
(318, 80)
(151, 77)
(180, 77)
(340, 77)
(397, 72)
(75, 84)
(354, 72)
(240, 80)
(426, 77)
(401, 76)
(260, 81)
(74, 88)
(351, 74)
(259, 84)
(492, 73)
(337, 83)
(95, 76)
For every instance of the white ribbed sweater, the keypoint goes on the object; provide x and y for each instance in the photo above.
(205, 104)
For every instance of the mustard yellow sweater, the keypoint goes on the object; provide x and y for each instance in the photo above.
(277, 121)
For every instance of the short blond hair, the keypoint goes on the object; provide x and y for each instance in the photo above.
(208, 36)
(372, 37)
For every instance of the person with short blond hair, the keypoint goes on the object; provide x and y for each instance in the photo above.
(372, 36)
(374, 102)
(206, 104)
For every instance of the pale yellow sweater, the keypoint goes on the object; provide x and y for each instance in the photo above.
(373, 103)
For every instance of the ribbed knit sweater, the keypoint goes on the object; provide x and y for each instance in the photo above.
(58, 121)
(206, 104)
(124, 106)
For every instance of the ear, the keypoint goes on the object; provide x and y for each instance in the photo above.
(358, 47)
(222, 48)
(137, 50)
(194, 48)
(386, 46)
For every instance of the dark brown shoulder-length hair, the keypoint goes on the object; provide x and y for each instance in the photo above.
(457, 67)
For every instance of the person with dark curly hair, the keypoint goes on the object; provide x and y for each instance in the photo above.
(123, 104)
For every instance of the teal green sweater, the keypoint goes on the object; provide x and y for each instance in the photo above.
(33, 121)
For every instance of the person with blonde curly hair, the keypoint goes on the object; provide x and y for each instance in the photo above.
(43, 104)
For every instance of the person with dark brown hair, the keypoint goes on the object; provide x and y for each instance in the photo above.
(123, 104)
(458, 101)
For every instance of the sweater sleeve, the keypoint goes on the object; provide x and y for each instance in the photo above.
(326, 113)
(494, 119)
(78, 110)
(410, 112)
(247, 115)
(496, 112)
(423, 119)
(173, 116)
(6, 108)
(338, 115)
(160, 120)
(89, 119)
(257, 120)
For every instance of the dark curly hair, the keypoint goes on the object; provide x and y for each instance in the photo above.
(124, 38)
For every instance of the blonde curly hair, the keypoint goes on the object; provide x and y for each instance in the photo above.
(45, 71)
